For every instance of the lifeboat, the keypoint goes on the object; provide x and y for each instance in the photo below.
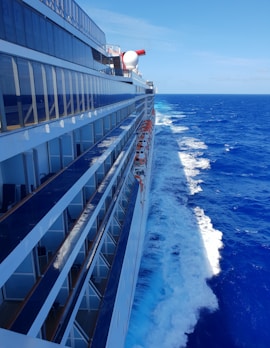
(144, 137)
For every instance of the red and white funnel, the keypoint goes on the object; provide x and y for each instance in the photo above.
(131, 59)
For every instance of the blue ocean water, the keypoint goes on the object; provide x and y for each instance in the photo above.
(205, 274)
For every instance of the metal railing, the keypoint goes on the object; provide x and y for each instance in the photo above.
(77, 17)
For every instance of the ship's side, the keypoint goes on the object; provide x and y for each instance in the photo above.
(76, 135)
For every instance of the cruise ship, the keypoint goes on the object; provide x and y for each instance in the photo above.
(76, 134)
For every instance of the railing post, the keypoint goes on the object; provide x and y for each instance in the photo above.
(3, 120)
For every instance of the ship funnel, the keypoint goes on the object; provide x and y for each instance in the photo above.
(140, 52)
(131, 59)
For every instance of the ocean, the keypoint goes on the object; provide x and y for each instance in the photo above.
(204, 279)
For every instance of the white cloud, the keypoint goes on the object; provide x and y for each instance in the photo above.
(128, 30)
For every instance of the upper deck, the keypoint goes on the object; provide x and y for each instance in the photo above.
(54, 63)
(73, 14)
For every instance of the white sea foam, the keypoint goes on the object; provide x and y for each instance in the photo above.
(191, 143)
(192, 165)
(212, 239)
(162, 119)
(179, 129)
(181, 247)
(169, 308)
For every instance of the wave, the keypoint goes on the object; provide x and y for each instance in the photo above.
(181, 249)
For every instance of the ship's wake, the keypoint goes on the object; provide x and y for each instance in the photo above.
(181, 248)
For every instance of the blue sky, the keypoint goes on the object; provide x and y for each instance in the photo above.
(192, 46)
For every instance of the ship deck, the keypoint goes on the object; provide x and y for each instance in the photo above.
(26, 216)
(23, 218)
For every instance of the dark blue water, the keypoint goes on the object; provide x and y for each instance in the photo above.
(205, 273)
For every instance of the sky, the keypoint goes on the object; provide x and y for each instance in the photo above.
(192, 46)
